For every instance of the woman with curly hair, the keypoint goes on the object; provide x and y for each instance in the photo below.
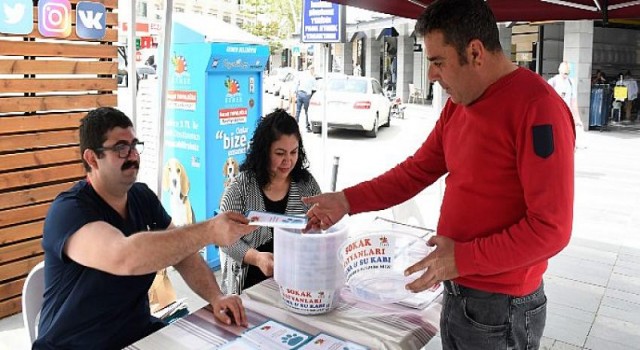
(273, 178)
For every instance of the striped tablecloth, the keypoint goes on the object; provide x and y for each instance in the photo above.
(374, 326)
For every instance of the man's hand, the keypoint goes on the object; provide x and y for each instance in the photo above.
(227, 306)
(265, 263)
(228, 227)
(325, 210)
(440, 265)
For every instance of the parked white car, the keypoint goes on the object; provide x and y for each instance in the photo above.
(356, 103)
(273, 81)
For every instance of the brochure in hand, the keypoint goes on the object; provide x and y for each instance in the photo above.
(260, 218)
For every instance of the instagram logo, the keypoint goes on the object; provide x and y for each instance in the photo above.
(54, 18)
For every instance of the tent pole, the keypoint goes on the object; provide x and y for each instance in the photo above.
(132, 75)
(164, 81)
(325, 124)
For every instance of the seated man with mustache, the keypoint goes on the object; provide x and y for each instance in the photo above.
(105, 238)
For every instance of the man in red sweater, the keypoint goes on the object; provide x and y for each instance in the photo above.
(505, 141)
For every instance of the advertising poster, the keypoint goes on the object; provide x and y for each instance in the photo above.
(234, 107)
(183, 171)
(214, 99)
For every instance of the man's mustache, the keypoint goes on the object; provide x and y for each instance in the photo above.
(130, 164)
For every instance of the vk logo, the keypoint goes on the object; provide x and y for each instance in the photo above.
(16, 17)
(54, 18)
(90, 20)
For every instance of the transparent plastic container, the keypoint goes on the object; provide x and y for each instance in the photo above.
(373, 264)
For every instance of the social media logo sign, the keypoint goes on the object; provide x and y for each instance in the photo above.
(16, 16)
(54, 18)
(90, 20)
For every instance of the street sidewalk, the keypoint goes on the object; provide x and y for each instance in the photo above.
(593, 286)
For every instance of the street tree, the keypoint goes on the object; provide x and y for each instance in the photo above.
(275, 20)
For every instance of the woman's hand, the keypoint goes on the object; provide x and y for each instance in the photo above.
(265, 263)
(228, 309)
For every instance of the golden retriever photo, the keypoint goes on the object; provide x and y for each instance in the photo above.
(230, 169)
(176, 181)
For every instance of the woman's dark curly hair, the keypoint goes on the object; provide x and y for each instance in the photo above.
(269, 130)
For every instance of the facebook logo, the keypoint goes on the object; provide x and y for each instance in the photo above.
(90, 20)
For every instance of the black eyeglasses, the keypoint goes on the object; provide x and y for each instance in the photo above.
(124, 149)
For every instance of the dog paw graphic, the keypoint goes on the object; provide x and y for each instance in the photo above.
(292, 339)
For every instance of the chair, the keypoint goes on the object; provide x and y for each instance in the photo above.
(32, 296)
(414, 93)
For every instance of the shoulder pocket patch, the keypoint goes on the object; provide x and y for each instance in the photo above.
(543, 140)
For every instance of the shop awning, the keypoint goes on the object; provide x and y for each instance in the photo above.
(520, 10)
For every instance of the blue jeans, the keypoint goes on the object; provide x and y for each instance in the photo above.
(302, 99)
(473, 320)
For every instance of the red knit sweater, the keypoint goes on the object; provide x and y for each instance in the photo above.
(507, 208)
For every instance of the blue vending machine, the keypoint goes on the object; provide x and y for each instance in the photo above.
(214, 100)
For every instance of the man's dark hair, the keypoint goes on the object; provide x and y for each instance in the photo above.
(461, 21)
(95, 125)
(269, 130)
